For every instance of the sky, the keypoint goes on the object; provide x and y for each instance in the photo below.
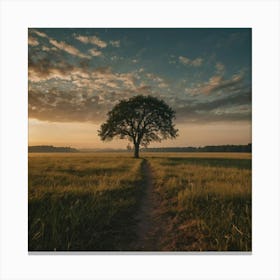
(75, 76)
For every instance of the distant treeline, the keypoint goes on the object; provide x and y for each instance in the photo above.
(50, 149)
(221, 148)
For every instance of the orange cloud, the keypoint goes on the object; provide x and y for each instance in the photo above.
(94, 40)
(216, 83)
(41, 34)
(95, 52)
(32, 41)
(68, 48)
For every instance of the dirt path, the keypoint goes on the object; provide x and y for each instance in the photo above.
(146, 240)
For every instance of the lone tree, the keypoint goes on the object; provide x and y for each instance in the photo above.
(141, 120)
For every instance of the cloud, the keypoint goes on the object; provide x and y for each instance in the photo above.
(48, 68)
(85, 95)
(95, 52)
(47, 49)
(74, 88)
(163, 85)
(45, 69)
(212, 117)
(68, 48)
(184, 60)
(212, 85)
(39, 33)
(220, 68)
(187, 61)
(232, 101)
(158, 82)
(80, 105)
(59, 45)
(197, 62)
(32, 41)
(144, 89)
(217, 83)
(62, 92)
(236, 107)
(94, 40)
(59, 106)
(116, 43)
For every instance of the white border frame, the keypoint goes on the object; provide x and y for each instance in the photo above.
(17, 16)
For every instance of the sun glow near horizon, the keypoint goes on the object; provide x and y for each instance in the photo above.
(85, 135)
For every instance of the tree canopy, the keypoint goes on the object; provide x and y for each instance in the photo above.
(141, 120)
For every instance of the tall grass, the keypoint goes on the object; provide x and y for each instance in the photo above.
(82, 203)
(206, 207)
(89, 202)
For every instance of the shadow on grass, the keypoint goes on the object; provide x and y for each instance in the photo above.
(102, 221)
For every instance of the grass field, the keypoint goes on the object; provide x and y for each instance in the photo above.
(205, 203)
(81, 202)
(89, 201)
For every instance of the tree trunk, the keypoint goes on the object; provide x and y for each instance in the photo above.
(136, 151)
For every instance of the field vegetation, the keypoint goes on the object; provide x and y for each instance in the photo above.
(205, 203)
(90, 201)
(81, 202)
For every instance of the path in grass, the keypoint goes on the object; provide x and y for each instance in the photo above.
(146, 228)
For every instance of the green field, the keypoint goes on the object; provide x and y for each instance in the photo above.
(92, 202)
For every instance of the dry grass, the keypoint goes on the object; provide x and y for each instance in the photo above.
(205, 207)
(89, 201)
(79, 202)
